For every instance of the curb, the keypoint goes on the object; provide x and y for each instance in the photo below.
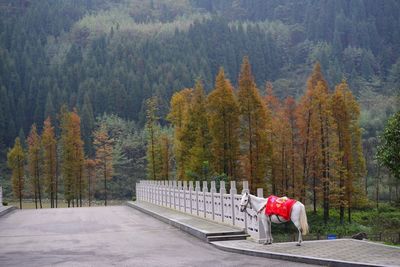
(293, 258)
(181, 226)
(7, 210)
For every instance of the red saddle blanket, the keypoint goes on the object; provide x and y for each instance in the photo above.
(281, 206)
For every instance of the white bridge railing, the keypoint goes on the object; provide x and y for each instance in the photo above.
(189, 197)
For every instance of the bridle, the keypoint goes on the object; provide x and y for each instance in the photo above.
(251, 206)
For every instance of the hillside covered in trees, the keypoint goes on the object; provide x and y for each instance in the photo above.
(103, 60)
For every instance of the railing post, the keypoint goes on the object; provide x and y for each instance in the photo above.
(174, 189)
(154, 186)
(166, 189)
(190, 196)
(162, 189)
(261, 231)
(184, 195)
(170, 193)
(205, 190)
(222, 191)
(137, 194)
(233, 192)
(197, 189)
(150, 192)
(157, 193)
(245, 189)
(213, 190)
(179, 195)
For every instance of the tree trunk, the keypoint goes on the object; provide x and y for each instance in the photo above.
(293, 164)
(325, 183)
(305, 163)
(56, 191)
(153, 157)
(80, 186)
(20, 193)
(105, 183)
(35, 193)
(377, 180)
(250, 150)
(314, 194)
(89, 193)
(39, 191)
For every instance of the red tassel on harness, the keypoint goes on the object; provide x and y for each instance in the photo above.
(281, 206)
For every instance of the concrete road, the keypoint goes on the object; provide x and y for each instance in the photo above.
(107, 236)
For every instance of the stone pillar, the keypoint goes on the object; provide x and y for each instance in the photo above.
(162, 193)
(191, 195)
(213, 191)
(233, 192)
(138, 196)
(170, 193)
(245, 189)
(261, 231)
(222, 191)
(197, 189)
(174, 193)
(179, 195)
(153, 199)
(205, 190)
(184, 195)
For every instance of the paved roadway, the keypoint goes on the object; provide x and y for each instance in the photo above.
(107, 236)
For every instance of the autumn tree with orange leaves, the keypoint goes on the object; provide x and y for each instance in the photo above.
(16, 162)
(254, 118)
(34, 163)
(182, 141)
(103, 145)
(49, 144)
(72, 157)
(346, 113)
(223, 120)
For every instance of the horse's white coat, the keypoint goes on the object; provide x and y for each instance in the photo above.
(298, 216)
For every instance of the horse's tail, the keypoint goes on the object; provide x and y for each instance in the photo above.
(303, 220)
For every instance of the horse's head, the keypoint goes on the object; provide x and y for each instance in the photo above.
(244, 201)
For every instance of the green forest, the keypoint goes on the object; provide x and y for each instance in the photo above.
(106, 77)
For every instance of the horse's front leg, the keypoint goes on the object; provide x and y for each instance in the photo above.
(264, 220)
(267, 229)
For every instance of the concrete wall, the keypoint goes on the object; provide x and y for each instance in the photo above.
(203, 201)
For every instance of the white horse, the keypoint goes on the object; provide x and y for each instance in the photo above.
(298, 215)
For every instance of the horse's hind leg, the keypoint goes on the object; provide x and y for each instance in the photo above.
(298, 226)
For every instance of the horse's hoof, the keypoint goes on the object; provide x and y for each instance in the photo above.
(298, 244)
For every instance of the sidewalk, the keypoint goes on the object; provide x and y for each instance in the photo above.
(204, 229)
(6, 209)
(341, 252)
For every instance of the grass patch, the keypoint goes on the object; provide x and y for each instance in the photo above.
(372, 221)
